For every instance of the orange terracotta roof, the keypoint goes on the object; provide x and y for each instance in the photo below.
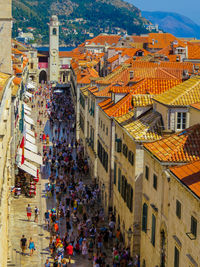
(196, 106)
(161, 40)
(179, 147)
(104, 39)
(112, 59)
(154, 86)
(17, 81)
(93, 89)
(106, 103)
(193, 51)
(140, 39)
(16, 51)
(189, 175)
(104, 92)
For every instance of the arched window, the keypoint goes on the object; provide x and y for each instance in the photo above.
(143, 263)
(54, 31)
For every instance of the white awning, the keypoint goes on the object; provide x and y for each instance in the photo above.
(30, 138)
(30, 132)
(31, 147)
(26, 107)
(28, 169)
(30, 86)
(28, 126)
(31, 156)
(27, 112)
(29, 120)
(28, 94)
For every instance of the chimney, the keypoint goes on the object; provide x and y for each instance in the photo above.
(5, 36)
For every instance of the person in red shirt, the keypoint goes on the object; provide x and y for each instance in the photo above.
(70, 251)
(43, 137)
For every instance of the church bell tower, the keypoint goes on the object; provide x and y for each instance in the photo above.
(5, 36)
(54, 49)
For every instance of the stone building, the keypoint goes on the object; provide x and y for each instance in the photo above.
(5, 35)
(5, 162)
(162, 233)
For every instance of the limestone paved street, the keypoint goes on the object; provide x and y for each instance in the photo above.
(38, 231)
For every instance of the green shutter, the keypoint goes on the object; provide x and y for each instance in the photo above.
(153, 230)
(144, 217)
(119, 180)
(176, 257)
(115, 172)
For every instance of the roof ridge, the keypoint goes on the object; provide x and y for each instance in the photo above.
(169, 74)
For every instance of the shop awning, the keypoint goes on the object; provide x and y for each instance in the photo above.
(30, 132)
(30, 138)
(31, 156)
(26, 107)
(30, 86)
(28, 94)
(28, 169)
(28, 126)
(27, 112)
(29, 120)
(31, 147)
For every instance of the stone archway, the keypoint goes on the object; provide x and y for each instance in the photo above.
(43, 76)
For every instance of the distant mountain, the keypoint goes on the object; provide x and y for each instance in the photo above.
(174, 23)
(80, 19)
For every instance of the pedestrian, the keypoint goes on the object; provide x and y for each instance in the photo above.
(47, 263)
(46, 218)
(70, 251)
(28, 210)
(36, 214)
(23, 244)
(31, 246)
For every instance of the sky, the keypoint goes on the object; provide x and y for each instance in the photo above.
(187, 8)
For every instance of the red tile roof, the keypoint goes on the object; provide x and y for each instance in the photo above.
(193, 51)
(189, 175)
(104, 39)
(196, 106)
(179, 147)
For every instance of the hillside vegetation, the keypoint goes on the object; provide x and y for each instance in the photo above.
(97, 16)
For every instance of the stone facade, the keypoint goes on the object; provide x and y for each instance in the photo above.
(5, 167)
(5, 35)
(158, 246)
(54, 49)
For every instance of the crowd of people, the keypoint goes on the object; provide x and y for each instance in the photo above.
(76, 221)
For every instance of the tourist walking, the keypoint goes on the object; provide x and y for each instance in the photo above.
(31, 246)
(23, 244)
(28, 211)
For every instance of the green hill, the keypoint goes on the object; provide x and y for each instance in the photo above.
(79, 19)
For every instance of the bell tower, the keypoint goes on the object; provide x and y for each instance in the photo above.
(54, 49)
(5, 35)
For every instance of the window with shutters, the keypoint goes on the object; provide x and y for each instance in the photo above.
(125, 150)
(181, 120)
(193, 228)
(178, 209)
(115, 172)
(155, 180)
(144, 217)
(119, 180)
(119, 145)
(176, 257)
(153, 230)
(131, 157)
(147, 172)
(131, 200)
